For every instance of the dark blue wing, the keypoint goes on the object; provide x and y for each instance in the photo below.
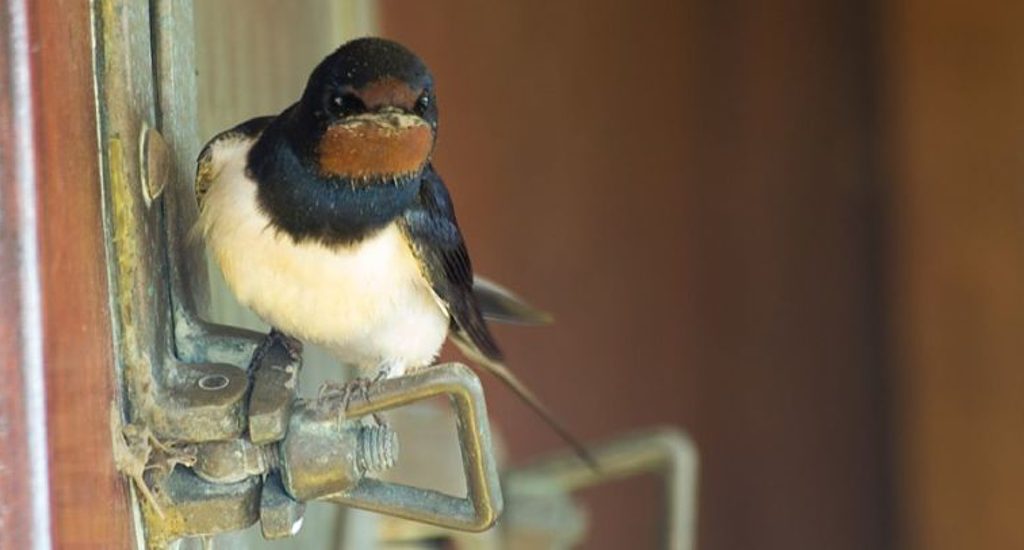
(434, 232)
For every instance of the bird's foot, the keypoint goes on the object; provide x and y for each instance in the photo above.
(341, 394)
(275, 337)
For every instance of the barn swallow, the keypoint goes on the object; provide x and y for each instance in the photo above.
(330, 222)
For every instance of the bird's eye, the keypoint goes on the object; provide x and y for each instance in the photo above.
(346, 104)
(423, 103)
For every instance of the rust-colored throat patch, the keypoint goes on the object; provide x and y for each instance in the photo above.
(375, 146)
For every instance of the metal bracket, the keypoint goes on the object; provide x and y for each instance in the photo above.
(164, 393)
(481, 508)
(326, 455)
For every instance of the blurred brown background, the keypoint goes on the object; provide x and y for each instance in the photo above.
(792, 227)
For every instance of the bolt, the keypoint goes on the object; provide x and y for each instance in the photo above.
(378, 448)
(325, 454)
(156, 164)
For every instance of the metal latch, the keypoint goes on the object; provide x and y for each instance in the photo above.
(299, 451)
(213, 446)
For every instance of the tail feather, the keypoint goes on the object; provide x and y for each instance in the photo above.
(500, 304)
(507, 377)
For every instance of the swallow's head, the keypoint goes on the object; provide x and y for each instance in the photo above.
(372, 112)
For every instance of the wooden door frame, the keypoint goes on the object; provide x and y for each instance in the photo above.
(57, 475)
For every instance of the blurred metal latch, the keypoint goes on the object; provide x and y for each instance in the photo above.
(536, 492)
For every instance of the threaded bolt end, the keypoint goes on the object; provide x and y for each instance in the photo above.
(378, 448)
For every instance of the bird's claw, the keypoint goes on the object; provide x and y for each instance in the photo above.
(334, 393)
(336, 397)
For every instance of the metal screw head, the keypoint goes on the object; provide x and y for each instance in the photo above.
(156, 164)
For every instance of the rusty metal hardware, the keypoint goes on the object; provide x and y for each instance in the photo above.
(482, 506)
(232, 446)
(326, 455)
(323, 454)
(280, 514)
(274, 384)
(229, 484)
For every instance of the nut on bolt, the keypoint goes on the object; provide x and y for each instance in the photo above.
(325, 454)
(280, 514)
(230, 461)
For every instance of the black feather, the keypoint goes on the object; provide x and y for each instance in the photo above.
(434, 233)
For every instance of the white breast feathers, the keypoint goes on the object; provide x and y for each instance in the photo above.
(367, 302)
